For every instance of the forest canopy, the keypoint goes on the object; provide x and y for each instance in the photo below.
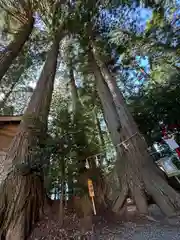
(94, 82)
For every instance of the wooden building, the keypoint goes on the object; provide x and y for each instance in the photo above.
(8, 129)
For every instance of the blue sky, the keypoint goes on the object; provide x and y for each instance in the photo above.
(134, 19)
(137, 19)
(128, 18)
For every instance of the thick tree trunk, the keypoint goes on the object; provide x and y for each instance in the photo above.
(22, 191)
(137, 173)
(13, 49)
(109, 108)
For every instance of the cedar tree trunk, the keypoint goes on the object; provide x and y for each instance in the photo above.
(22, 192)
(138, 174)
(14, 48)
(109, 108)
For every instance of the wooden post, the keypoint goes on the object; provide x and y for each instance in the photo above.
(91, 194)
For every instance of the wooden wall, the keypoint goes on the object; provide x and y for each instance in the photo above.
(7, 131)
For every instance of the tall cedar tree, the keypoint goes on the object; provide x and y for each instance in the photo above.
(139, 176)
(22, 192)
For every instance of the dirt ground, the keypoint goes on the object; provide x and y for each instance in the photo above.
(133, 229)
(148, 231)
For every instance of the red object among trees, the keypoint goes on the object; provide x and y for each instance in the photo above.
(165, 134)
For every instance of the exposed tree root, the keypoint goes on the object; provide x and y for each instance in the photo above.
(138, 183)
(21, 205)
(163, 194)
(121, 198)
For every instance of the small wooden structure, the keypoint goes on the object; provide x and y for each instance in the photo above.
(8, 129)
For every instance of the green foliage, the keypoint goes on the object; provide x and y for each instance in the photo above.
(72, 137)
(156, 21)
(159, 102)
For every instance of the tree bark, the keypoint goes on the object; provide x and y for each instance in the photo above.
(22, 192)
(138, 175)
(109, 108)
(13, 49)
